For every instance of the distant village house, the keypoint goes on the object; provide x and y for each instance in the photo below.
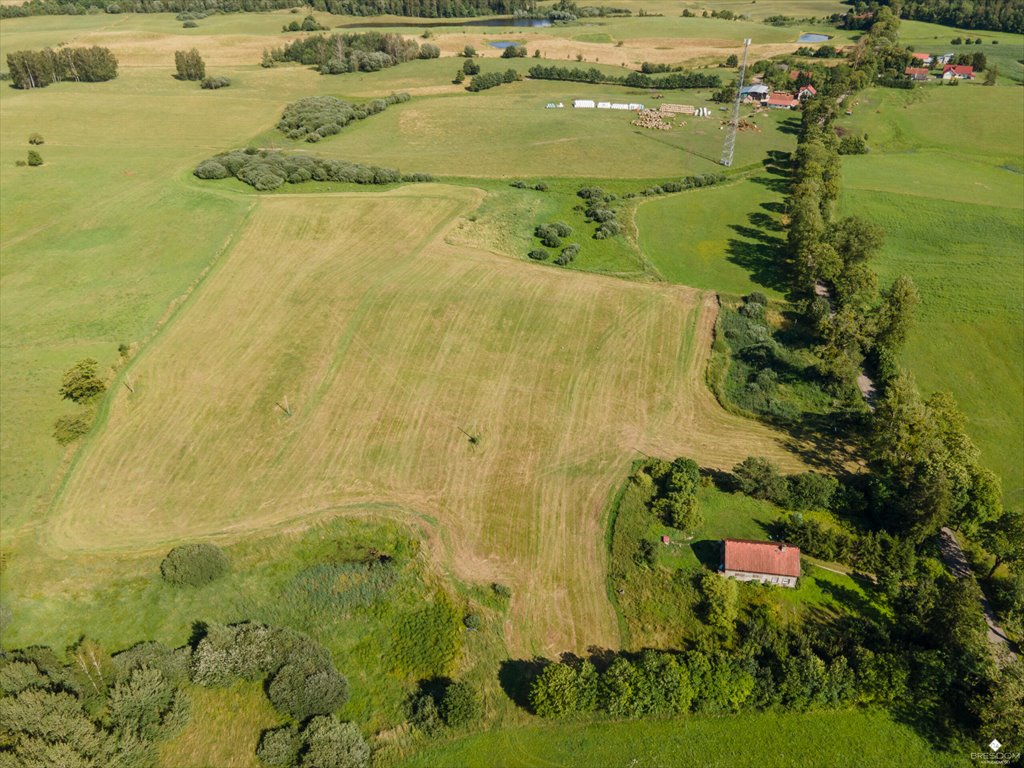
(916, 73)
(769, 562)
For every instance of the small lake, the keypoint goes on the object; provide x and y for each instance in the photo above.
(505, 21)
(813, 38)
(503, 44)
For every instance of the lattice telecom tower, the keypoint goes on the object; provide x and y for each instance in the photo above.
(730, 136)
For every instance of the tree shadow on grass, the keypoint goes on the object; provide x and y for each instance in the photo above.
(761, 254)
(516, 676)
(708, 552)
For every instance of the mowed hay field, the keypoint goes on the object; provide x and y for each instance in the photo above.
(946, 181)
(384, 344)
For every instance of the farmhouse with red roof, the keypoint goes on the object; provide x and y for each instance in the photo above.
(924, 58)
(806, 92)
(769, 562)
(916, 73)
(957, 72)
(780, 100)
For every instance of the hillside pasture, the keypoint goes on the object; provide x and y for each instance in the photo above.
(953, 211)
(328, 365)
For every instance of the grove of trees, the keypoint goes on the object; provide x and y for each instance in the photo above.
(189, 65)
(672, 81)
(37, 69)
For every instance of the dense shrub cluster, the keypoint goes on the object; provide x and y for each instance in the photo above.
(673, 81)
(266, 170)
(487, 80)
(50, 709)
(442, 702)
(323, 742)
(37, 69)
(213, 83)
(194, 565)
(675, 500)
(514, 52)
(317, 117)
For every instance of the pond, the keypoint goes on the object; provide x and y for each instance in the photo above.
(504, 21)
(503, 44)
(813, 38)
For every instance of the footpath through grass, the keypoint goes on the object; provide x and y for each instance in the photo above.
(844, 739)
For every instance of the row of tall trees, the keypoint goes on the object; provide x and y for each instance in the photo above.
(1000, 15)
(671, 81)
(418, 8)
(353, 52)
(37, 69)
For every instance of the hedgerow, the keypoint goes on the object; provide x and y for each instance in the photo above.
(267, 170)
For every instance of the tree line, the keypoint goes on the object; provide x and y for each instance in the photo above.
(418, 8)
(267, 170)
(38, 69)
(672, 81)
(998, 15)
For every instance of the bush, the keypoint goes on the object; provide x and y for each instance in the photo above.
(279, 747)
(472, 621)
(35, 138)
(211, 169)
(266, 170)
(460, 705)
(194, 565)
(514, 52)
(327, 743)
(189, 25)
(81, 384)
(562, 689)
(67, 429)
(469, 52)
(429, 51)
(540, 186)
(34, 158)
(852, 145)
(568, 254)
(213, 83)
(501, 591)
(307, 686)
(470, 67)
(811, 490)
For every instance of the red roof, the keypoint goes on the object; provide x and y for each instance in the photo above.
(915, 71)
(810, 89)
(921, 56)
(958, 69)
(762, 557)
(781, 100)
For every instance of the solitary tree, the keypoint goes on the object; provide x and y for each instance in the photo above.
(34, 158)
(991, 75)
(81, 382)
(469, 51)
(732, 60)
(190, 65)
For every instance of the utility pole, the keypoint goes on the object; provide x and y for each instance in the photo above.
(730, 136)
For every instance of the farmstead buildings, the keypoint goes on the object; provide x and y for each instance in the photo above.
(769, 562)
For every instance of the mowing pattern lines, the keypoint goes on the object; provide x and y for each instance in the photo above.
(387, 344)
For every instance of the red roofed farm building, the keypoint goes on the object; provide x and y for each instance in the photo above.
(957, 72)
(769, 562)
(780, 100)
(916, 73)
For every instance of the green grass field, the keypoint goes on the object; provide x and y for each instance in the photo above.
(853, 739)
(954, 215)
(722, 239)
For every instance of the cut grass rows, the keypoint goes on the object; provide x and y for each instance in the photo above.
(386, 350)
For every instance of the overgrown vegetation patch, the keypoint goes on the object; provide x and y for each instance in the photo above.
(317, 117)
